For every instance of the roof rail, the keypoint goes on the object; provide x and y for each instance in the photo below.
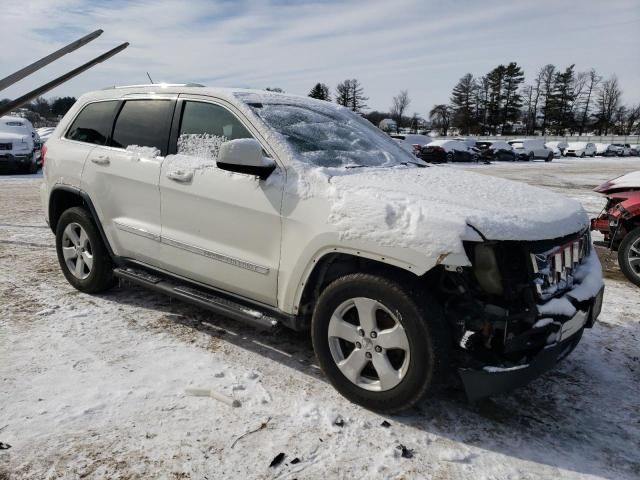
(159, 85)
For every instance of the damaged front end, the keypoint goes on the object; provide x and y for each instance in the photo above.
(520, 308)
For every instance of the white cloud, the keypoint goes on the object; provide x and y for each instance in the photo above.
(423, 46)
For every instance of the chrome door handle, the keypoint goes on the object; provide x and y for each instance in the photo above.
(101, 160)
(180, 176)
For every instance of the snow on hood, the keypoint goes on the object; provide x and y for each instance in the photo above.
(431, 209)
(630, 180)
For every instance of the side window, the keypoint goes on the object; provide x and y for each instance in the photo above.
(93, 124)
(144, 123)
(204, 127)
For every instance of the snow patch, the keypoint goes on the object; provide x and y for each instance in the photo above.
(138, 152)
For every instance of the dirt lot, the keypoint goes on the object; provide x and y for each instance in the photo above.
(94, 386)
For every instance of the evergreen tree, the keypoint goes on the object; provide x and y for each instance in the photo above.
(546, 76)
(320, 91)
(351, 94)
(61, 106)
(494, 105)
(343, 93)
(464, 103)
(512, 100)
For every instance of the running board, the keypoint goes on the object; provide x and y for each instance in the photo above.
(197, 296)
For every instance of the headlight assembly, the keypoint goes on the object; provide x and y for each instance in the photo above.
(486, 271)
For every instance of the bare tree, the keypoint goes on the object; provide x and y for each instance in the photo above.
(400, 104)
(592, 81)
(608, 103)
(351, 94)
(440, 116)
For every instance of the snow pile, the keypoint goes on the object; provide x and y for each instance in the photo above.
(138, 152)
(430, 209)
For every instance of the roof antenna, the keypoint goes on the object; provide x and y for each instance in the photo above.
(149, 77)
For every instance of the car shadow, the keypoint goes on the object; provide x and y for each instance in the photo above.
(563, 419)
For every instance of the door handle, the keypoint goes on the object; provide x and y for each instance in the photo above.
(180, 176)
(101, 160)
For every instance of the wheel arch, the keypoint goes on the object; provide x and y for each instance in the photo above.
(64, 197)
(331, 265)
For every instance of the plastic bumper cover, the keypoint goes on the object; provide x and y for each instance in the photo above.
(481, 383)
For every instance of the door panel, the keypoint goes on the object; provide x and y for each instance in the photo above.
(219, 228)
(123, 184)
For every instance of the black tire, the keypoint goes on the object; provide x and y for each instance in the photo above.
(549, 157)
(33, 167)
(582, 155)
(100, 277)
(425, 329)
(532, 156)
(449, 157)
(624, 251)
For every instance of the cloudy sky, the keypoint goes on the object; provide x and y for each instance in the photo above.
(423, 46)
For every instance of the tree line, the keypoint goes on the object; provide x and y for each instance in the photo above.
(48, 109)
(558, 101)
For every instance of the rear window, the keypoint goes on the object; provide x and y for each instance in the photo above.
(144, 123)
(93, 124)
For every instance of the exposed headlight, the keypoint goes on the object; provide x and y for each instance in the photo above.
(486, 271)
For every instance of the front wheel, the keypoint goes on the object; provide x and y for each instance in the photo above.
(450, 157)
(82, 255)
(531, 156)
(582, 155)
(379, 346)
(629, 256)
(549, 157)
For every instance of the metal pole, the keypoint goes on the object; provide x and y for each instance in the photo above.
(61, 79)
(43, 62)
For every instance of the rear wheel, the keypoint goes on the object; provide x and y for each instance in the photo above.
(450, 157)
(82, 255)
(629, 256)
(531, 156)
(379, 346)
(549, 157)
(582, 155)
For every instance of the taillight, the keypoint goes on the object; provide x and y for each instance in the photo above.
(43, 153)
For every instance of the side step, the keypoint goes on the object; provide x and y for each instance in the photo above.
(197, 296)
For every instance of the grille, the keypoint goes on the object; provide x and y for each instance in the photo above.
(554, 269)
(5, 146)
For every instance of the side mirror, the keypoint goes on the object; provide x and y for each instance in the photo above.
(244, 155)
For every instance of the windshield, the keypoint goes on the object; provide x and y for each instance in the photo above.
(328, 137)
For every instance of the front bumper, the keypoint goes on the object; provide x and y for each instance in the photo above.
(491, 380)
(10, 160)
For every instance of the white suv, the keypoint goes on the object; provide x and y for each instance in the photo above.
(275, 209)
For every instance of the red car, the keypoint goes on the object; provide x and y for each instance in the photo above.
(620, 222)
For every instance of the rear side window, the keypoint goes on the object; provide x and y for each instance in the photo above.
(144, 123)
(93, 124)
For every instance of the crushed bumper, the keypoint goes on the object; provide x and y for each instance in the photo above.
(489, 380)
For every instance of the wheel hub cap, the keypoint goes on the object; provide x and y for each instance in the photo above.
(77, 251)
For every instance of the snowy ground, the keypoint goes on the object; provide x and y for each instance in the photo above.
(94, 386)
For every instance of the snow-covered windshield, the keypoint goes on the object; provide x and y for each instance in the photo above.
(329, 137)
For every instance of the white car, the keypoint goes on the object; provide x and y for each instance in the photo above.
(412, 142)
(581, 149)
(44, 133)
(531, 148)
(623, 149)
(557, 146)
(18, 142)
(274, 210)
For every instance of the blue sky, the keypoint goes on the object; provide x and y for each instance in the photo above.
(422, 46)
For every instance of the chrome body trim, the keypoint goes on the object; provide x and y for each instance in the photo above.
(137, 231)
(236, 262)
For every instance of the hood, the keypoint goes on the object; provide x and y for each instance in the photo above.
(433, 209)
(630, 181)
(14, 137)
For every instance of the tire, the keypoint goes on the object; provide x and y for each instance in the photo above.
(628, 252)
(549, 157)
(449, 157)
(33, 167)
(92, 276)
(582, 155)
(531, 157)
(416, 369)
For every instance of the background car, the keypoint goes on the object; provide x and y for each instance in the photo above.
(412, 142)
(44, 133)
(495, 150)
(635, 150)
(19, 145)
(623, 149)
(531, 148)
(440, 151)
(605, 150)
(560, 145)
(581, 149)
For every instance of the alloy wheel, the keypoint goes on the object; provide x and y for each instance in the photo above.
(369, 344)
(77, 251)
